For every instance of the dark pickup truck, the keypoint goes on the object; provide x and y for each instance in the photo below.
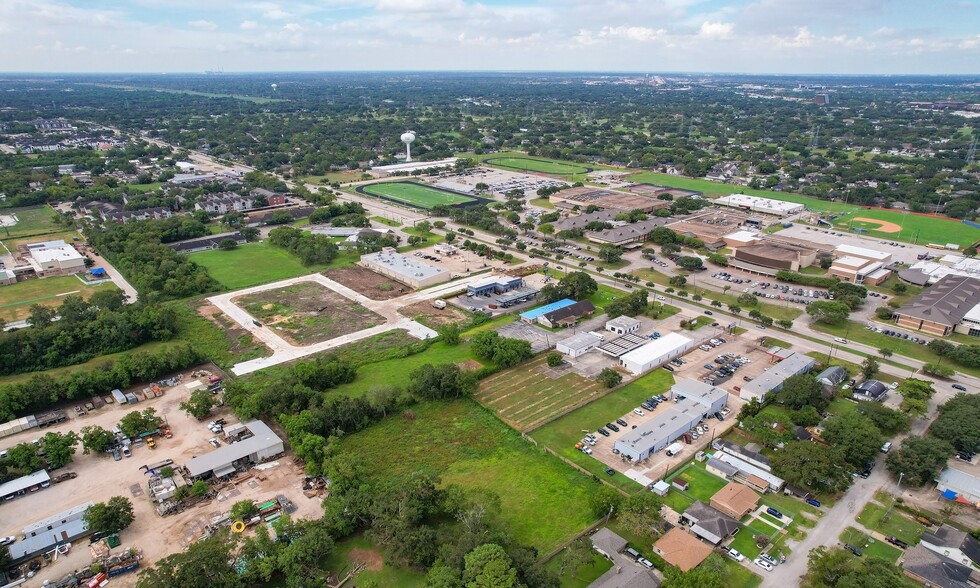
(896, 542)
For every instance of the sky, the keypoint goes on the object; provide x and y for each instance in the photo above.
(751, 36)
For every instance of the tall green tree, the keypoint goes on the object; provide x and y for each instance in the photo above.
(857, 438)
(920, 459)
(111, 516)
(59, 448)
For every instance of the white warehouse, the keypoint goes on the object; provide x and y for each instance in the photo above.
(577, 345)
(700, 400)
(656, 353)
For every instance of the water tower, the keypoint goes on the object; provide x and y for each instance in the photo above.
(407, 138)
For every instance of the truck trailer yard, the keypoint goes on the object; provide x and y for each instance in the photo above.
(99, 478)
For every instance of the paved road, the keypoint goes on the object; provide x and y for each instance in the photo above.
(131, 294)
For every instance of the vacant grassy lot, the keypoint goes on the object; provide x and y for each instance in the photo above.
(544, 166)
(526, 396)
(543, 501)
(34, 220)
(898, 523)
(251, 264)
(414, 194)
(870, 546)
(915, 227)
(359, 548)
(394, 372)
(307, 312)
(16, 299)
(703, 486)
(562, 434)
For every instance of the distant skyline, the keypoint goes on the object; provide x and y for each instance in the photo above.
(758, 36)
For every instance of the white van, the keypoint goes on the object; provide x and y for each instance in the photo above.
(886, 447)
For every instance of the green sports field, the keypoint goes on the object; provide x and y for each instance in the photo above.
(914, 227)
(414, 194)
(16, 299)
(543, 166)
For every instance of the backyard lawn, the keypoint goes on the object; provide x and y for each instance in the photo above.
(251, 264)
(356, 548)
(543, 501)
(581, 577)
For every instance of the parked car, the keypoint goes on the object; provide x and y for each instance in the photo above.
(772, 511)
(668, 368)
(115, 454)
(645, 563)
(634, 554)
(214, 442)
(813, 502)
(602, 431)
(610, 471)
(886, 447)
(734, 554)
(621, 422)
(126, 452)
(768, 558)
(896, 542)
(960, 387)
(763, 564)
(7, 540)
(638, 412)
(853, 549)
(612, 427)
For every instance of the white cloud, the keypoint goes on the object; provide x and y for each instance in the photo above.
(641, 34)
(248, 25)
(204, 25)
(715, 31)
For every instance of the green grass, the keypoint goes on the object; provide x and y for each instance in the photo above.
(414, 194)
(770, 341)
(581, 577)
(543, 501)
(898, 523)
(702, 484)
(737, 576)
(870, 546)
(69, 237)
(388, 576)
(915, 227)
(545, 166)
(841, 406)
(386, 221)
(711, 189)
(394, 372)
(252, 264)
(145, 187)
(604, 295)
(562, 434)
(856, 332)
(16, 299)
(35, 220)
(542, 203)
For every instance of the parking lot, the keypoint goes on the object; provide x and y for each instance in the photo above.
(903, 252)
(658, 465)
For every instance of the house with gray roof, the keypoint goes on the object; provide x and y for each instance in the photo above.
(933, 569)
(607, 542)
(709, 523)
(831, 378)
(957, 545)
(870, 390)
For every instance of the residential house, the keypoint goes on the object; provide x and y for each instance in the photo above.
(957, 545)
(680, 548)
(709, 523)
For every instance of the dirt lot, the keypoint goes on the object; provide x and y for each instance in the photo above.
(99, 478)
(429, 316)
(307, 313)
(374, 286)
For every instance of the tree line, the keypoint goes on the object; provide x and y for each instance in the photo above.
(84, 329)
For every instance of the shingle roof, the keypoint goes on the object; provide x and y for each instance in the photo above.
(946, 301)
(711, 519)
(608, 542)
(936, 569)
(736, 497)
(947, 536)
(682, 549)
(580, 308)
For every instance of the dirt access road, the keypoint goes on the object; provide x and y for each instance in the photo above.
(100, 478)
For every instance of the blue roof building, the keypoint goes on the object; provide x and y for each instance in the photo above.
(533, 314)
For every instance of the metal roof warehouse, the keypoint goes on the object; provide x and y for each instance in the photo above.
(263, 444)
(23, 483)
